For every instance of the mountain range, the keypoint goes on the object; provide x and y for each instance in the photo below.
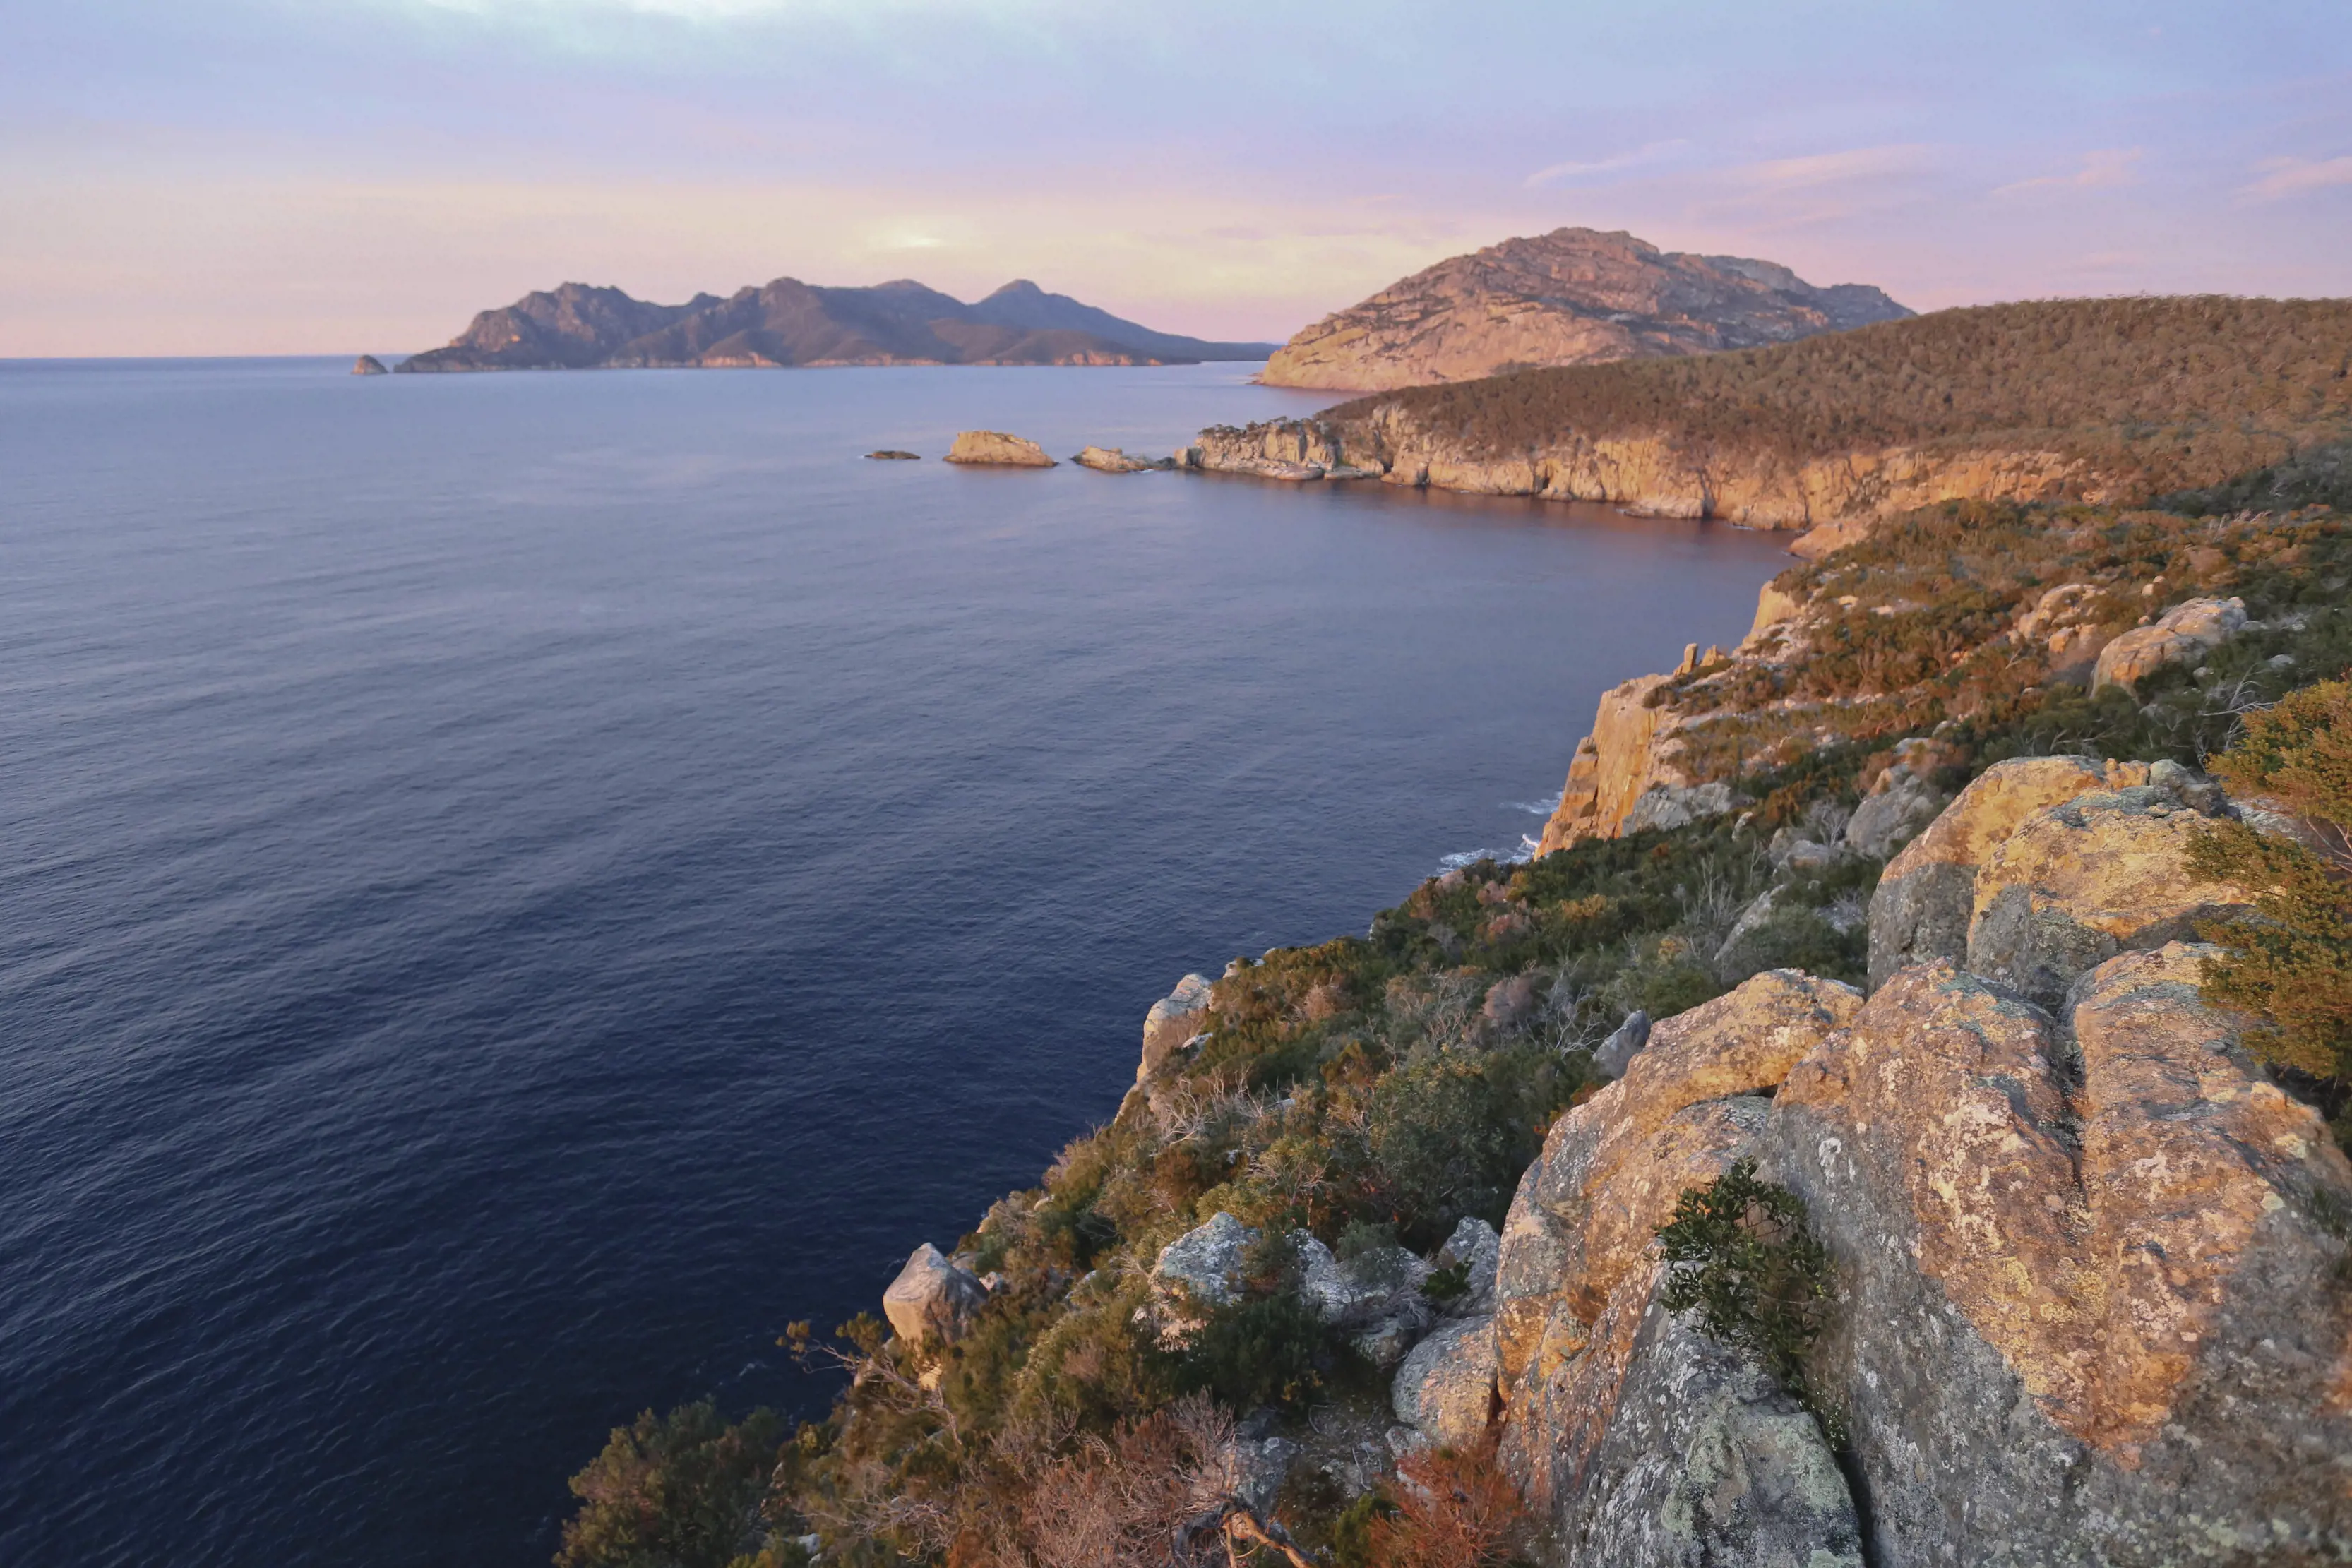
(1573, 297)
(788, 322)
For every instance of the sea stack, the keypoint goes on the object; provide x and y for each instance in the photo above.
(994, 447)
(368, 365)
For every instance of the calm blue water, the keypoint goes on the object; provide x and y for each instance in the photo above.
(517, 886)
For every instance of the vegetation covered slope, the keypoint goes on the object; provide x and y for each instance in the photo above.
(1377, 1090)
(2161, 394)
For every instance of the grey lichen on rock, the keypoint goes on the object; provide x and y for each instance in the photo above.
(1201, 1268)
(932, 1299)
(1612, 1056)
(1446, 1388)
(2080, 881)
(995, 449)
(1174, 1020)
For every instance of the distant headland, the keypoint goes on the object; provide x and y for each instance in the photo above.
(788, 322)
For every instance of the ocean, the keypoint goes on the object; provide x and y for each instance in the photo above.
(520, 885)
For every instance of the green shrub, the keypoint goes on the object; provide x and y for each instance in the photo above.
(1738, 1250)
(1261, 1351)
(682, 1491)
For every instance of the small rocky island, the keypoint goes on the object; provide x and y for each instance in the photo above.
(994, 448)
(368, 365)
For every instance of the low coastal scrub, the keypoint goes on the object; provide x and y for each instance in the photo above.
(1374, 1092)
(2135, 385)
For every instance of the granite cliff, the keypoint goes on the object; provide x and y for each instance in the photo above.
(788, 322)
(2086, 399)
(1573, 297)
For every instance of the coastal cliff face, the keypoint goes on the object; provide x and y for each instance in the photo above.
(1655, 476)
(1572, 296)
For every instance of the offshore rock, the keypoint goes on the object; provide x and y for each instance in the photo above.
(1926, 896)
(2183, 632)
(369, 365)
(994, 447)
(2087, 1325)
(2080, 881)
(1174, 1020)
(932, 1299)
(1708, 1462)
(1113, 460)
(891, 455)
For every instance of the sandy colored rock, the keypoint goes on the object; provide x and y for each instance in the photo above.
(1569, 297)
(1615, 766)
(2183, 632)
(994, 447)
(1578, 1261)
(1446, 1388)
(2089, 1327)
(1113, 460)
(1926, 896)
(2077, 882)
(1173, 1020)
(931, 1299)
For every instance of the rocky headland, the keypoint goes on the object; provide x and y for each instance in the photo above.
(2095, 400)
(1573, 297)
(788, 322)
(1897, 1118)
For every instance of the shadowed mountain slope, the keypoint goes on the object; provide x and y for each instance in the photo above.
(789, 322)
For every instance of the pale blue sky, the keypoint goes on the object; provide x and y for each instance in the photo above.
(293, 175)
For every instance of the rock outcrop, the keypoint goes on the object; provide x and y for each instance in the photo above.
(994, 448)
(931, 1299)
(1572, 296)
(368, 365)
(891, 455)
(2077, 882)
(2091, 1266)
(1112, 460)
(2186, 631)
(1926, 896)
(1173, 1021)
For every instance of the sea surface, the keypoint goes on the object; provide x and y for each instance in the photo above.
(519, 886)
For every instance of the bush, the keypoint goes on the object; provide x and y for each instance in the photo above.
(1740, 1252)
(677, 1491)
(1260, 1351)
(1449, 1510)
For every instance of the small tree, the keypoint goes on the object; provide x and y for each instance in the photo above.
(1740, 1252)
(676, 1491)
(2289, 964)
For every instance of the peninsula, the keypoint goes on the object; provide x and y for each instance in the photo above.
(1573, 297)
(788, 322)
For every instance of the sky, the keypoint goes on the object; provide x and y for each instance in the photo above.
(334, 176)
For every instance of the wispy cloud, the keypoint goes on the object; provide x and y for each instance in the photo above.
(2284, 177)
(1820, 168)
(2107, 166)
(1648, 153)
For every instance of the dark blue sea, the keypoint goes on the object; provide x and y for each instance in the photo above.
(518, 886)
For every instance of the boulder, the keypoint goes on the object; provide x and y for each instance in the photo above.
(2080, 881)
(1709, 1463)
(1112, 460)
(1927, 893)
(994, 447)
(1678, 806)
(932, 1299)
(1174, 1020)
(1446, 1388)
(1611, 1056)
(1899, 807)
(1380, 1283)
(368, 365)
(1477, 1246)
(2186, 631)
(1207, 1261)
(2094, 1325)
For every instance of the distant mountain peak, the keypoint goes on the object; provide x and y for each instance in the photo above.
(1575, 296)
(789, 322)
